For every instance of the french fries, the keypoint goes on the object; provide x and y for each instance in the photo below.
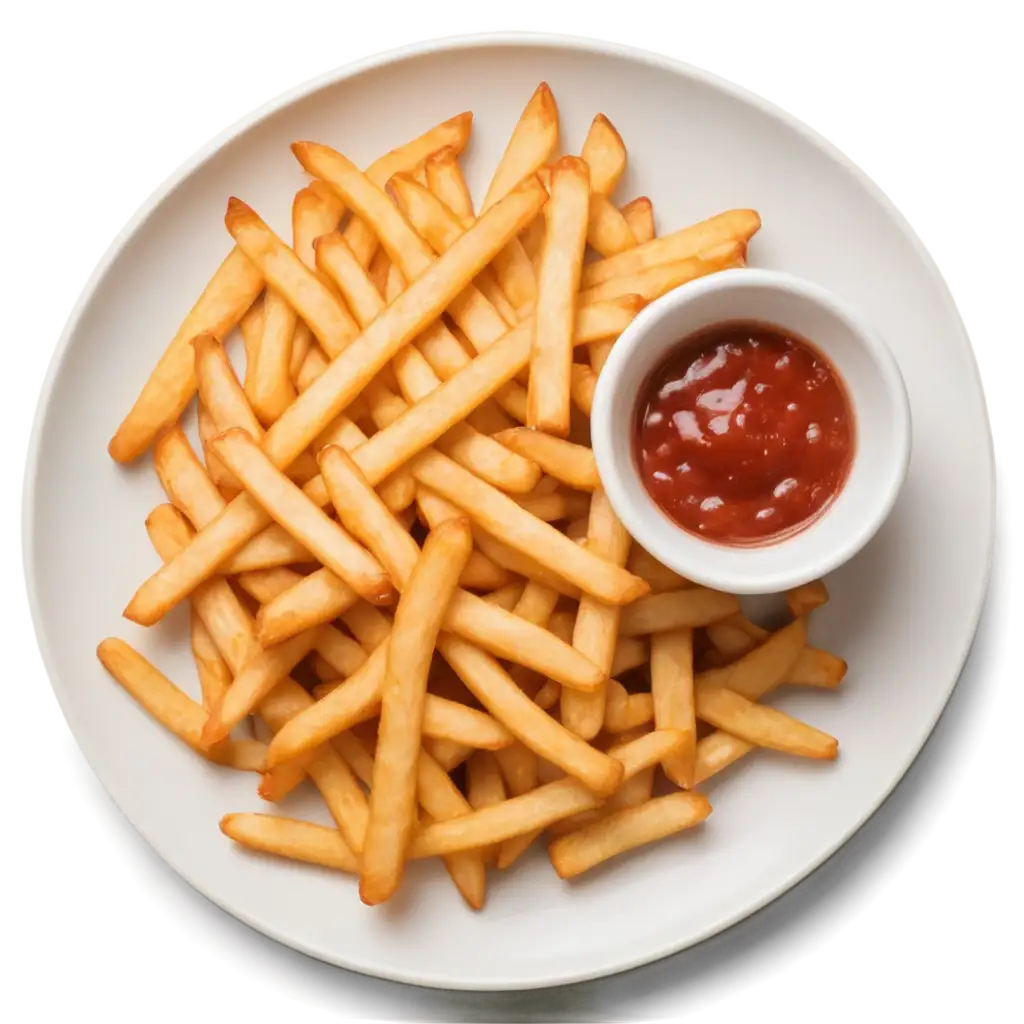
(558, 278)
(409, 373)
(580, 851)
(229, 293)
(595, 632)
(418, 619)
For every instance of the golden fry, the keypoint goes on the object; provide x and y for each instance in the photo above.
(672, 690)
(229, 293)
(418, 619)
(558, 279)
(573, 854)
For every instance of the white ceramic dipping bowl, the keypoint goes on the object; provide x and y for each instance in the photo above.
(875, 389)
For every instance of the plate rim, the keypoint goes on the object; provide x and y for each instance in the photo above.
(353, 69)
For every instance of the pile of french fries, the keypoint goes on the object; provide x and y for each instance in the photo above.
(406, 583)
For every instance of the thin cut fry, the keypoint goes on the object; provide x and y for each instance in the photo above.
(625, 711)
(503, 518)
(558, 279)
(597, 623)
(417, 621)
(536, 809)
(676, 609)
(302, 518)
(222, 477)
(214, 674)
(287, 837)
(572, 464)
(268, 380)
(229, 293)
(608, 231)
(453, 133)
(319, 308)
(573, 854)
(763, 726)
(445, 180)
(639, 214)
(582, 383)
(764, 667)
(803, 600)
(656, 281)
(156, 693)
(605, 154)
(314, 409)
(498, 693)
(660, 577)
(732, 226)
(672, 690)
(484, 788)
(233, 631)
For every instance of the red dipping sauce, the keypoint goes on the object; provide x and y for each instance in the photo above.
(744, 434)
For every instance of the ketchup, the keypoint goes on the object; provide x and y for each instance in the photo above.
(744, 434)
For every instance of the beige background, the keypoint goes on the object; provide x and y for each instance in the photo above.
(93, 102)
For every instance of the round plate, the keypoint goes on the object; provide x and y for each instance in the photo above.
(903, 613)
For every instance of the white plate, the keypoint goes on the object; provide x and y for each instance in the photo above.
(903, 613)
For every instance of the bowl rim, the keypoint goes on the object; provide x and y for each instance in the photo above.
(721, 566)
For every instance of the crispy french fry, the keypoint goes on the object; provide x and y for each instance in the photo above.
(302, 517)
(715, 752)
(255, 680)
(482, 455)
(762, 668)
(630, 652)
(729, 227)
(660, 577)
(453, 134)
(233, 631)
(408, 252)
(672, 691)
(251, 329)
(315, 212)
(221, 392)
(605, 154)
(503, 518)
(676, 609)
(608, 231)
(484, 788)
(498, 693)
(358, 700)
(445, 180)
(639, 214)
(582, 383)
(296, 840)
(223, 478)
(418, 619)
(573, 464)
(533, 140)
(156, 693)
(738, 635)
(573, 854)
(442, 801)
(229, 293)
(214, 674)
(319, 308)
(597, 623)
(418, 306)
(558, 278)
(625, 711)
(803, 600)
(536, 809)
(268, 380)
(656, 281)
(763, 726)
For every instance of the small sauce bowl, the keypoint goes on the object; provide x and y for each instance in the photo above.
(877, 397)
